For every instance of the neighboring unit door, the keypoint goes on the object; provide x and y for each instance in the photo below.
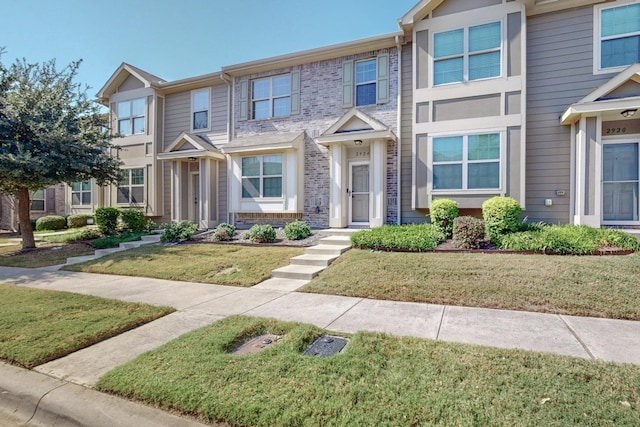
(194, 211)
(359, 194)
(620, 172)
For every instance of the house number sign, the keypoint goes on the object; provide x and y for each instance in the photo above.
(615, 131)
(362, 153)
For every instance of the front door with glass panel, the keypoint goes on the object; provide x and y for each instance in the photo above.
(194, 195)
(359, 194)
(620, 173)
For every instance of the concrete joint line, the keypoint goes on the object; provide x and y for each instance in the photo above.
(444, 308)
(266, 302)
(191, 307)
(348, 310)
(575, 334)
(35, 410)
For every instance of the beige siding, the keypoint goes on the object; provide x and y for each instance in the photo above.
(177, 116)
(219, 115)
(559, 73)
(456, 6)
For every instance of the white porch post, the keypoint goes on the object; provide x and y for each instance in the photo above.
(175, 183)
(204, 202)
(378, 167)
(581, 148)
(337, 199)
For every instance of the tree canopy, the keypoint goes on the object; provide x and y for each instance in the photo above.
(50, 132)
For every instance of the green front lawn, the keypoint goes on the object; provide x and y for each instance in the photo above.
(379, 380)
(44, 255)
(221, 264)
(598, 286)
(37, 326)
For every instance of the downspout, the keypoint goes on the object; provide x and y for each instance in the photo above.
(399, 122)
(230, 111)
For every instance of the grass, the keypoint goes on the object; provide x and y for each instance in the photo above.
(205, 263)
(378, 380)
(598, 286)
(114, 241)
(37, 326)
(45, 254)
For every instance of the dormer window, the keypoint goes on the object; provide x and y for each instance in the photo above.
(131, 117)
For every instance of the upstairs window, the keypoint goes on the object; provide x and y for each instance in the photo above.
(262, 176)
(131, 186)
(131, 115)
(271, 97)
(81, 193)
(37, 200)
(467, 54)
(366, 76)
(200, 109)
(619, 38)
(466, 162)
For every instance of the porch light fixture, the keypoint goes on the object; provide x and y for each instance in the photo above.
(629, 113)
(358, 142)
(192, 159)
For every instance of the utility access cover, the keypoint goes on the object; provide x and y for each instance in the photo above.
(326, 346)
(257, 344)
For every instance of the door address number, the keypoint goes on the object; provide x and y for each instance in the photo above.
(615, 131)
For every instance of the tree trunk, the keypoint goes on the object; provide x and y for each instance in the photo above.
(24, 219)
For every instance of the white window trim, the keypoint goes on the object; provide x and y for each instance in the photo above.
(464, 190)
(356, 84)
(80, 193)
(270, 98)
(131, 117)
(44, 200)
(597, 39)
(262, 176)
(208, 110)
(465, 54)
(130, 186)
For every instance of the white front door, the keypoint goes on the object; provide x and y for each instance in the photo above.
(620, 180)
(359, 193)
(194, 198)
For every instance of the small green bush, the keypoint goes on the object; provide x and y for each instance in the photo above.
(51, 222)
(78, 220)
(115, 240)
(107, 220)
(297, 230)
(150, 225)
(468, 232)
(133, 220)
(501, 216)
(261, 234)
(414, 237)
(442, 213)
(177, 231)
(224, 232)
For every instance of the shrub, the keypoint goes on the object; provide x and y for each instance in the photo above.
(133, 220)
(150, 225)
(115, 240)
(177, 231)
(261, 234)
(78, 220)
(416, 237)
(501, 216)
(107, 220)
(442, 213)
(224, 232)
(468, 232)
(74, 236)
(51, 222)
(297, 230)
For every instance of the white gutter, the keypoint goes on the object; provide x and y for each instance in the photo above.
(230, 112)
(399, 130)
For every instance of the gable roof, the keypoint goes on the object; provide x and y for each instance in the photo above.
(190, 145)
(265, 143)
(121, 74)
(606, 98)
(355, 124)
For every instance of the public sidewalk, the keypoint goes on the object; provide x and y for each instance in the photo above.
(201, 304)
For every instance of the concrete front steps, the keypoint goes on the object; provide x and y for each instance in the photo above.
(318, 257)
(99, 253)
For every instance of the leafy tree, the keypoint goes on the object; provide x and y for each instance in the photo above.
(50, 132)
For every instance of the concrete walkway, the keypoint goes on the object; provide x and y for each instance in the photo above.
(201, 304)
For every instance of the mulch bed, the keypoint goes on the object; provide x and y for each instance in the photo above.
(281, 240)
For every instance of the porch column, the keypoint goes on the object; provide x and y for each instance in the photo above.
(378, 167)
(204, 200)
(337, 192)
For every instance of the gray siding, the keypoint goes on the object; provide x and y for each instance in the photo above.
(456, 6)
(177, 116)
(219, 114)
(559, 73)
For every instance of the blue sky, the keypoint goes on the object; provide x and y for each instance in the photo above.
(174, 39)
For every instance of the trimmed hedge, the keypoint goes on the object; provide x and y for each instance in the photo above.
(133, 220)
(51, 222)
(442, 213)
(297, 230)
(414, 237)
(107, 220)
(468, 232)
(78, 220)
(501, 216)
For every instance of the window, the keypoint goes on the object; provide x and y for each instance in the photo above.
(366, 82)
(262, 176)
(131, 186)
(37, 200)
(467, 54)
(81, 193)
(200, 109)
(619, 36)
(271, 97)
(131, 116)
(468, 162)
